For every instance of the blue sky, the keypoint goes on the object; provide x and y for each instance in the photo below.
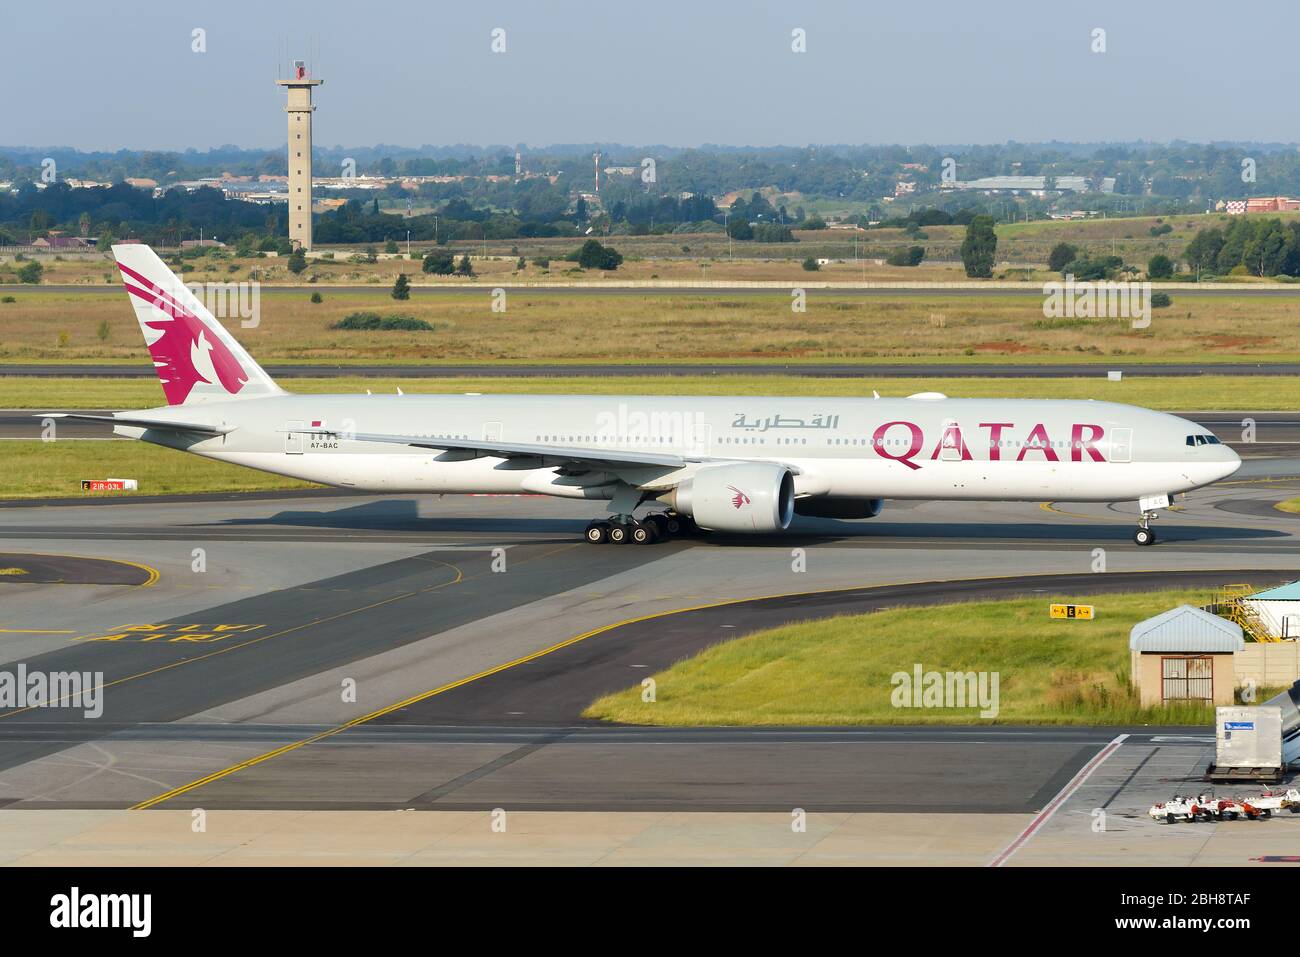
(660, 72)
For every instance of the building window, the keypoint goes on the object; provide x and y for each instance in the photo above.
(1187, 679)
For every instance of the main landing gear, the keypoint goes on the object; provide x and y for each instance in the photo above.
(655, 527)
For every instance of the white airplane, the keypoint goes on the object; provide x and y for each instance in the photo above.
(738, 464)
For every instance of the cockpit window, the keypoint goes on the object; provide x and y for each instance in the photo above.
(1203, 440)
(1212, 440)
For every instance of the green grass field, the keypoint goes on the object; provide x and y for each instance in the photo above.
(1174, 393)
(55, 469)
(838, 671)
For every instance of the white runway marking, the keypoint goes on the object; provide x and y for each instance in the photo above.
(1055, 804)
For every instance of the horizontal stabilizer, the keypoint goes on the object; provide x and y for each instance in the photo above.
(138, 422)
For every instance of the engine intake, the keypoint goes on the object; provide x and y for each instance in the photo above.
(750, 497)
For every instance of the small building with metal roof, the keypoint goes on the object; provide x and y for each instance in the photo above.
(1185, 654)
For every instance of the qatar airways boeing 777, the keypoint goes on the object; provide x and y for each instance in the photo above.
(729, 464)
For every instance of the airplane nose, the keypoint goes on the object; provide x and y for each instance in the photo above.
(1231, 463)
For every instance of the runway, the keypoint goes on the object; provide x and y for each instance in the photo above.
(812, 370)
(437, 653)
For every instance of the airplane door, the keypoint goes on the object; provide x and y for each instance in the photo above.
(700, 441)
(293, 438)
(491, 431)
(1121, 445)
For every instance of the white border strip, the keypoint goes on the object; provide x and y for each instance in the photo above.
(1055, 804)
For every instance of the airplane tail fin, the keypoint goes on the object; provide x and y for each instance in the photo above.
(195, 358)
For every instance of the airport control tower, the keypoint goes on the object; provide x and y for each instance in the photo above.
(300, 110)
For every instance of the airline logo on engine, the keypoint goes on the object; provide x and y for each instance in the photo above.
(739, 499)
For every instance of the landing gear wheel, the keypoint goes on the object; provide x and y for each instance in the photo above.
(597, 533)
(1144, 536)
(618, 534)
(643, 533)
(671, 524)
(660, 523)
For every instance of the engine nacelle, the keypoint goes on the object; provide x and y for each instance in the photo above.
(750, 497)
(820, 507)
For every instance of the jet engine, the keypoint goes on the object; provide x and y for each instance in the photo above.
(749, 497)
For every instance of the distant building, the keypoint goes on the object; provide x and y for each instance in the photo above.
(904, 187)
(1260, 204)
(61, 242)
(1034, 184)
(201, 244)
(140, 182)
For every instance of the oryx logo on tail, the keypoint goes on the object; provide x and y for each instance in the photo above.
(185, 352)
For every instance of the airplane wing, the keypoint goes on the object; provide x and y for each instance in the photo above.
(138, 422)
(595, 457)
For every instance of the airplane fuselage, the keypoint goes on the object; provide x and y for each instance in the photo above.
(928, 448)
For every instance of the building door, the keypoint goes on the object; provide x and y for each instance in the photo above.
(293, 438)
(1187, 679)
(1121, 445)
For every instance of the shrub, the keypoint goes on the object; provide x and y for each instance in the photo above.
(592, 255)
(31, 273)
(1160, 267)
(1160, 300)
(1062, 255)
(906, 256)
(439, 262)
(811, 265)
(316, 297)
(373, 321)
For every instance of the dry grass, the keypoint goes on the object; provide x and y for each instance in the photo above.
(546, 327)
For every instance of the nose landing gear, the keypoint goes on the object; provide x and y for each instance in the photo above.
(1147, 505)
